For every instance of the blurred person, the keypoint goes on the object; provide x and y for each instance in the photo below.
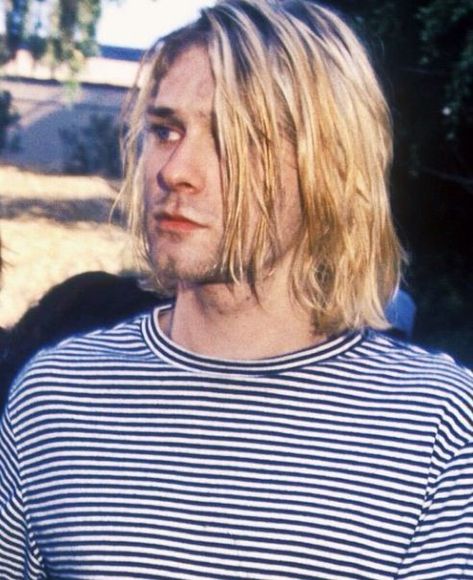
(84, 302)
(401, 314)
(258, 425)
(3, 332)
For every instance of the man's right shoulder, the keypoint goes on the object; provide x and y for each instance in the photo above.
(84, 354)
(104, 339)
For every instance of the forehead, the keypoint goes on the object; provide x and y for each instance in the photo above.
(189, 83)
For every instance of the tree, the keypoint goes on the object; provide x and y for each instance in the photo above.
(424, 53)
(62, 30)
(8, 116)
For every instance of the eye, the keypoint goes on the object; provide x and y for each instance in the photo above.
(163, 133)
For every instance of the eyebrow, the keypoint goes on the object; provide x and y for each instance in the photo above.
(171, 115)
(162, 112)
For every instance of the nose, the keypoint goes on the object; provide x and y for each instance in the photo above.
(183, 171)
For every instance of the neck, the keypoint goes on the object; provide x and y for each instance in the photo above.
(230, 322)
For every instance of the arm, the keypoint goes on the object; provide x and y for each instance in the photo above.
(19, 556)
(442, 545)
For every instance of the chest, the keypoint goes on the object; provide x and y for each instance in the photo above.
(209, 482)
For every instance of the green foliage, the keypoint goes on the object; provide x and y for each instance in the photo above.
(429, 41)
(436, 18)
(8, 116)
(93, 149)
(446, 35)
(15, 24)
(64, 31)
(72, 37)
(423, 51)
(60, 31)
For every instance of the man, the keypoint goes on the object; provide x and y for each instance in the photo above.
(257, 426)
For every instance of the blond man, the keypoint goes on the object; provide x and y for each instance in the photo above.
(257, 425)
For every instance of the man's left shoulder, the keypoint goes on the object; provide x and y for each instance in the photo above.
(418, 365)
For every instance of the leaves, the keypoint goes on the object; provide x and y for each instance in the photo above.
(8, 116)
(63, 31)
(446, 43)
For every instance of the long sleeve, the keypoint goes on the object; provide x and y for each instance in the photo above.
(19, 556)
(442, 546)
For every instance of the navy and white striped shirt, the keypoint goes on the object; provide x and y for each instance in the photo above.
(125, 456)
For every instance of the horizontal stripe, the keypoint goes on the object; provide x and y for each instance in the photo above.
(125, 456)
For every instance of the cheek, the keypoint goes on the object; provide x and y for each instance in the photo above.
(150, 179)
(149, 168)
(153, 159)
(147, 201)
(149, 198)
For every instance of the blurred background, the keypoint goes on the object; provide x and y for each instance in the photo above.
(66, 66)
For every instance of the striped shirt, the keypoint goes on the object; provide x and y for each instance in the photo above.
(125, 456)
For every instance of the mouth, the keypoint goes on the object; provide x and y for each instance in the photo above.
(175, 223)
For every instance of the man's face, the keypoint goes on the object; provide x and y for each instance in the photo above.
(183, 192)
(183, 186)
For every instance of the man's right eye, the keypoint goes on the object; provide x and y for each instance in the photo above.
(163, 133)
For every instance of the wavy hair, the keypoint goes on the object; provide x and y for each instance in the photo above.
(291, 70)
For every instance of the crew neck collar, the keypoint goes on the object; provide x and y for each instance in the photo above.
(176, 355)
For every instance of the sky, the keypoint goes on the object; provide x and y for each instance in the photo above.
(138, 23)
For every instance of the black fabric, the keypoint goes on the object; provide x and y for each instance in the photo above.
(79, 304)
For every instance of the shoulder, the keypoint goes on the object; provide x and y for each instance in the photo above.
(435, 374)
(411, 359)
(429, 390)
(83, 356)
(114, 339)
(378, 348)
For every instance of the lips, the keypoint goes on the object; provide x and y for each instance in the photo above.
(173, 222)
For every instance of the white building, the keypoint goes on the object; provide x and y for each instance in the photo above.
(46, 107)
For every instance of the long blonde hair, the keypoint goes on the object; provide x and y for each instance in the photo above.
(293, 70)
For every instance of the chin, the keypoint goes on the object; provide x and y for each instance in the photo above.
(171, 271)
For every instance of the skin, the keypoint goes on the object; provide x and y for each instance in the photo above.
(184, 225)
